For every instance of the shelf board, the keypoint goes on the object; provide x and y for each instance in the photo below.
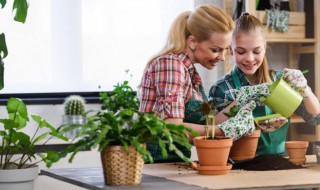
(291, 40)
(296, 119)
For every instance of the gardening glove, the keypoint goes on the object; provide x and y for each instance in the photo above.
(297, 81)
(247, 93)
(241, 124)
(272, 124)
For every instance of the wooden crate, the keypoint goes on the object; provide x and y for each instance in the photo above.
(296, 29)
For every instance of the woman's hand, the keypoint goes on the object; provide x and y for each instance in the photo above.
(297, 81)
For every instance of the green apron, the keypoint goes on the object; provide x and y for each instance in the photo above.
(191, 116)
(269, 142)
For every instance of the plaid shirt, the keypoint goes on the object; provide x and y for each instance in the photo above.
(221, 91)
(168, 83)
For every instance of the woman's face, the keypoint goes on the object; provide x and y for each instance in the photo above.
(210, 52)
(249, 51)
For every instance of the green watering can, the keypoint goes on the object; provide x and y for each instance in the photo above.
(283, 99)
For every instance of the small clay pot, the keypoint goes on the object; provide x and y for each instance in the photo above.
(297, 151)
(245, 147)
(213, 152)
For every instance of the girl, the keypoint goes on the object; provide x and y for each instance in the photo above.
(249, 53)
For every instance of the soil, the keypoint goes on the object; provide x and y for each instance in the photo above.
(265, 162)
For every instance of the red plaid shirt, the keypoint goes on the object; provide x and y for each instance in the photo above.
(168, 84)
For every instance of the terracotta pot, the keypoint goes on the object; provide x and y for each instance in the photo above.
(214, 170)
(297, 151)
(245, 147)
(213, 152)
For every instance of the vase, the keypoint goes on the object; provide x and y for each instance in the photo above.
(213, 155)
(297, 151)
(121, 167)
(245, 147)
(18, 179)
(68, 120)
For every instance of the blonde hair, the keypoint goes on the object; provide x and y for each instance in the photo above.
(200, 23)
(246, 24)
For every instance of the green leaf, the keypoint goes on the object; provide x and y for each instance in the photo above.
(3, 3)
(20, 8)
(1, 74)
(16, 106)
(3, 47)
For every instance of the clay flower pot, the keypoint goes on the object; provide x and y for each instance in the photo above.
(297, 151)
(245, 147)
(213, 155)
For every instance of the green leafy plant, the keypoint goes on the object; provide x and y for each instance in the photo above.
(20, 10)
(209, 112)
(120, 123)
(122, 97)
(74, 105)
(233, 111)
(18, 149)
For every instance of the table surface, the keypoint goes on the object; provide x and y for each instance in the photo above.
(180, 176)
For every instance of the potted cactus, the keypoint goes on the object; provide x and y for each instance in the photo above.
(74, 108)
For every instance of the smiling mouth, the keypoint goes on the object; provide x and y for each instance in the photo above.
(249, 66)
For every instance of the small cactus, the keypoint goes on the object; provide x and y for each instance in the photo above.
(74, 105)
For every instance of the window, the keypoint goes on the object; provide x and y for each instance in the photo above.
(79, 45)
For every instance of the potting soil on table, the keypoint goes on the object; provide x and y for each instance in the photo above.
(265, 162)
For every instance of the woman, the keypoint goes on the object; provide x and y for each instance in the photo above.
(249, 53)
(171, 86)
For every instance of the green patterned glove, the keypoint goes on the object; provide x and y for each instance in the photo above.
(241, 124)
(247, 93)
(297, 81)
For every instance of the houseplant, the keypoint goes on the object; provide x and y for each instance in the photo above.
(20, 10)
(213, 152)
(74, 108)
(245, 147)
(120, 132)
(18, 151)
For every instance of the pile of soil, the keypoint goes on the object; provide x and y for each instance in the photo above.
(265, 162)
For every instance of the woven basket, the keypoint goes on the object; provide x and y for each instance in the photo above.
(120, 167)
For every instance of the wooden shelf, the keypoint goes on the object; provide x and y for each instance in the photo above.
(296, 119)
(305, 40)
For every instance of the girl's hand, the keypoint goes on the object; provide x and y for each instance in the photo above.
(297, 81)
(241, 124)
(247, 93)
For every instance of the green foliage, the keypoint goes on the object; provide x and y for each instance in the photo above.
(122, 97)
(74, 105)
(120, 123)
(16, 142)
(20, 9)
(233, 111)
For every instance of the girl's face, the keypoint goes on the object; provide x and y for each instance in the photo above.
(248, 51)
(210, 52)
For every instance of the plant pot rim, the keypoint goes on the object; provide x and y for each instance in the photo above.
(297, 144)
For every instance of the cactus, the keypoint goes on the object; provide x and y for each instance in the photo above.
(74, 105)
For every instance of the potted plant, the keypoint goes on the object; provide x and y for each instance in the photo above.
(120, 132)
(213, 152)
(74, 108)
(245, 147)
(18, 151)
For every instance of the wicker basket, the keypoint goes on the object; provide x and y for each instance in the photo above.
(120, 167)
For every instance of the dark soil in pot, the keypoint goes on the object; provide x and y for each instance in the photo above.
(265, 162)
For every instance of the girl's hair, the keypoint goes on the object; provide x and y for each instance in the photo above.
(200, 23)
(246, 24)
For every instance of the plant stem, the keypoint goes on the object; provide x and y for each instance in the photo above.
(206, 128)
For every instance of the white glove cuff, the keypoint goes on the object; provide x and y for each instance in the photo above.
(307, 91)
